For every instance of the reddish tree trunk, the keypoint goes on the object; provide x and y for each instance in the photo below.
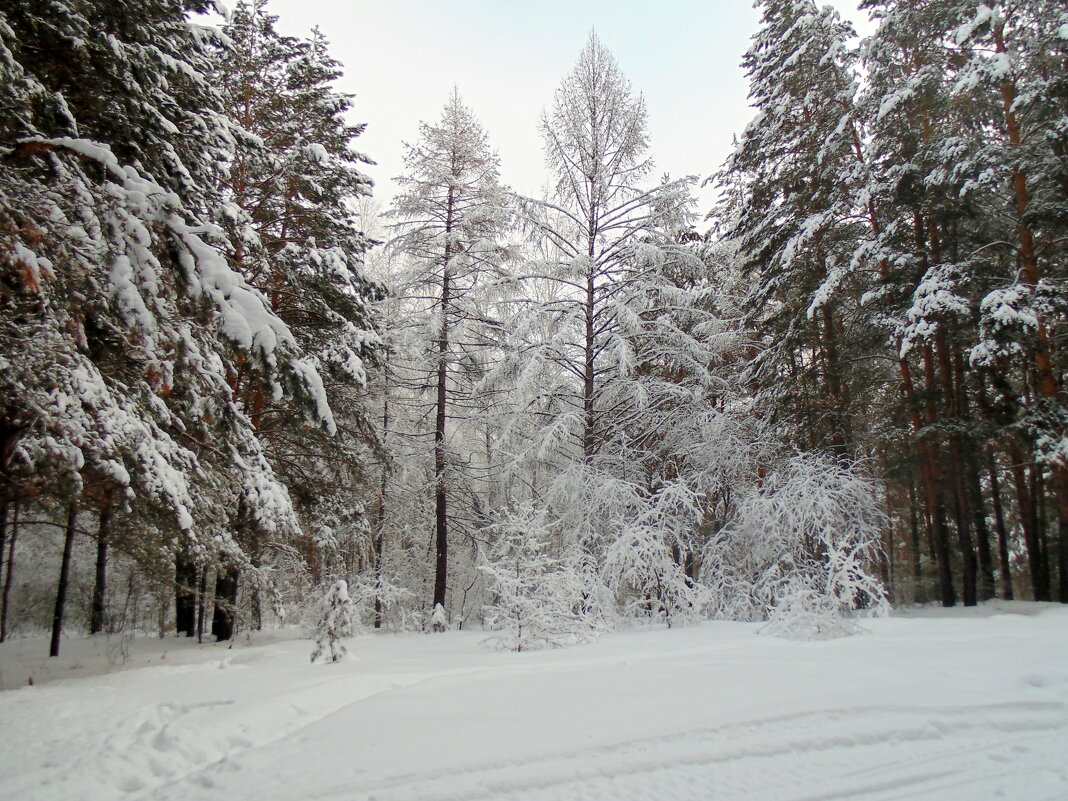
(931, 478)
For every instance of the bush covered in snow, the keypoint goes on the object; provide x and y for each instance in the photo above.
(798, 551)
(334, 623)
(539, 599)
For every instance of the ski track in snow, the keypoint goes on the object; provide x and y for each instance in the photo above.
(942, 710)
(911, 754)
(908, 754)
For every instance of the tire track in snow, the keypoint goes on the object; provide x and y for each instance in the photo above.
(870, 753)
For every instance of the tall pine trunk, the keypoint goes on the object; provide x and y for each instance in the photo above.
(10, 572)
(589, 343)
(441, 516)
(3, 537)
(1007, 592)
(954, 470)
(380, 524)
(202, 600)
(64, 579)
(96, 615)
(914, 531)
(1025, 502)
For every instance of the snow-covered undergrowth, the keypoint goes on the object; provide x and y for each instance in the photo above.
(795, 549)
(799, 551)
(946, 706)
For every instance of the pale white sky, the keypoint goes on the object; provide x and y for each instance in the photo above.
(507, 57)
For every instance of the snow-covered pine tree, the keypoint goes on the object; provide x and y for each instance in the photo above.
(537, 598)
(617, 343)
(335, 623)
(596, 150)
(291, 194)
(451, 217)
(789, 203)
(122, 322)
(931, 240)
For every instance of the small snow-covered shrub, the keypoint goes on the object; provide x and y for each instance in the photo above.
(540, 601)
(335, 623)
(803, 612)
(798, 550)
(439, 621)
(641, 568)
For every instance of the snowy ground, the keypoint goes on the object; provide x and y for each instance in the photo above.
(969, 705)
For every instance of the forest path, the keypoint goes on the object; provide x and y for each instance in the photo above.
(945, 708)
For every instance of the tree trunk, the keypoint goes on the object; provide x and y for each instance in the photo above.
(10, 572)
(1025, 504)
(257, 595)
(955, 465)
(96, 616)
(841, 437)
(971, 486)
(222, 621)
(185, 599)
(64, 579)
(914, 530)
(589, 353)
(931, 476)
(380, 524)
(3, 537)
(441, 517)
(1007, 591)
(588, 374)
(202, 593)
(986, 587)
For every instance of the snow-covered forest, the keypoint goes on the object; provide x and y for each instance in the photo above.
(231, 380)
(241, 396)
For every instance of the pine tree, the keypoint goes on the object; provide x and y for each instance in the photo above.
(122, 322)
(1014, 65)
(291, 199)
(537, 599)
(616, 346)
(791, 206)
(335, 623)
(596, 150)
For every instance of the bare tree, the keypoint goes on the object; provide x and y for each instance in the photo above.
(450, 217)
(600, 209)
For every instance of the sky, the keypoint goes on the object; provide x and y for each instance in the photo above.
(507, 57)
